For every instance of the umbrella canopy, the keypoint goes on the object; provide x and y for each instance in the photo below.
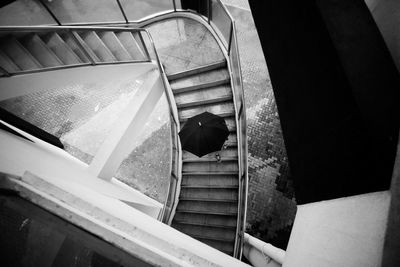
(203, 134)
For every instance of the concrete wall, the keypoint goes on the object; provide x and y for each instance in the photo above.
(341, 232)
(386, 14)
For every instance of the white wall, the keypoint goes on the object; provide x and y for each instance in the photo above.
(346, 232)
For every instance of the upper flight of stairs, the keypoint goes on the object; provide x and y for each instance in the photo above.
(26, 51)
(208, 201)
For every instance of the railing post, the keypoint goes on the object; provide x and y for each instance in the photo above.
(122, 11)
(209, 11)
(173, 2)
(50, 12)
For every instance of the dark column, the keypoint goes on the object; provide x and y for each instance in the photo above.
(337, 92)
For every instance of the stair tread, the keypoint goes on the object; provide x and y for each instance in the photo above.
(206, 85)
(41, 51)
(203, 224)
(210, 186)
(61, 49)
(208, 200)
(205, 101)
(19, 54)
(222, 114)
(7, 64)
(115, 46)
(130, 43)
(99, 48)
(210, 159)
(207, 212)
(209, 173)
(197, 70)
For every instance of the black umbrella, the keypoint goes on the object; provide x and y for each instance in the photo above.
(203, 134)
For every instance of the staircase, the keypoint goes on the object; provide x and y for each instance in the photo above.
(22, 51)
(208, 201)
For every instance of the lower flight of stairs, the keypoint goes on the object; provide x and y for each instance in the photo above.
(208, 201)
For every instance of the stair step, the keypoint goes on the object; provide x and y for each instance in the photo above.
(209, 212)
(61, 49)
(97, 46)
(115, 46)
(35, 45)
(204, 102)
(209, 173)
(207, 219)
(206, 231)
(203, 94)
(209, 186)
(215, 108)
(18, 54)
(201, 224)
(128, 40)
(207, 200)
(225, 115)
(208, 207)
(202, 78)
(70, 41)
(184, 89)
(210, 181)
(198, 70)
(211, 166)
(7, 64)
(228, 152)
(203, 159)
(207, 194)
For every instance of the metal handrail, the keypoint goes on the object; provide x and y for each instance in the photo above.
(175, 124)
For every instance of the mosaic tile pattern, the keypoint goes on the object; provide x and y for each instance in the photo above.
(271, 202)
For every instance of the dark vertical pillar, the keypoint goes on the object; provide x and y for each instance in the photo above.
(336, 88)
(200, 6)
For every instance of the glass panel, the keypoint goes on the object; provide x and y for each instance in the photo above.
(221, 21)
(31, 236)
(81, 113)
(86, 11)
(138, 9)
(25, 12)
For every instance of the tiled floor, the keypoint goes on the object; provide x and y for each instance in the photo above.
(183, 44)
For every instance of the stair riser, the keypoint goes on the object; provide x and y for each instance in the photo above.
(202, 95)
(216, 109)
(210, 166)
(228, 221)
(115, 46)
(211, 207)
(206, 231)
(61, 49)
(39, 50)
(182, 88)
(209, 193)
(210, 180)
(228, 152)
(98, 47)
